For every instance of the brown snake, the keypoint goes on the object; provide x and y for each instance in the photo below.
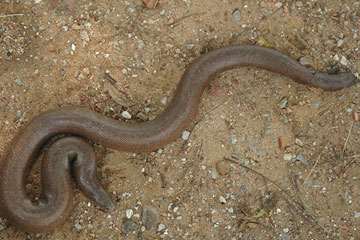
(55, 203)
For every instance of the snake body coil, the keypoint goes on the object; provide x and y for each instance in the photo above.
(55, 203)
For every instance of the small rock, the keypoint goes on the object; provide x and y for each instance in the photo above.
(222, 200)
(126, 115)
(223, 168)
(287, 156)
(340, 42)
(334, 69)
(343, 61)
(161, 227)
(142, 116)
(278, 4)
(75, 27)
(283, 143)
(86, 71)
(234, 139)
(283, 102)
(129, 213)
(149, 217)
(185, 135)
(336, 57)
(304, 61)
(190, 46)
(129, 226)
(356, 116)
(37, 1)
(237, 15)
(19, 81)
(84, 36)
(163, 100)
(356, 214)
(300, 157)
(298, 142)
(214, 175)
(131, 10)
(78, 226)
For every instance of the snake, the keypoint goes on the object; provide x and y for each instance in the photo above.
(81, 125)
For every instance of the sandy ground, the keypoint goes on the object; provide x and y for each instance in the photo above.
(55, 53)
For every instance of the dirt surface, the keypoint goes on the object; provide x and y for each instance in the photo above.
(294, 150)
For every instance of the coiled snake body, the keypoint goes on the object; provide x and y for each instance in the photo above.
(56, 199)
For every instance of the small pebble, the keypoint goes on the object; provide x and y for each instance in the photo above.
(163, 100)
(142, 116)
(234, 139)
(78, 226)
(300, 157)
(84, 36)
(126, 115)
(222, 200)
(356, 116)
(18, 81)
(129, 213)
(237, 15)
(334, 69)
(283, 143)
(304, 61)
(190, 46)
(75, 26)
(283, 103)
(287, 156)
(356, 214)
(214, 174)
(185, 135)
(298, 142)
(343, 61)
(131, 10)
(340, 42)
(129, 226)
(278, 4)
(161, 227)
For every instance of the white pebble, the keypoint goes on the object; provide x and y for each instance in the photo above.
(287, 156)
(126, 114)
(343, 61)
(278, 4)
(234, 139)
(161, 227)
(129, 213)
(84, 36)
(214, 174)
(163, 100)
(222, 200)
(73, 47)
(185, 135)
